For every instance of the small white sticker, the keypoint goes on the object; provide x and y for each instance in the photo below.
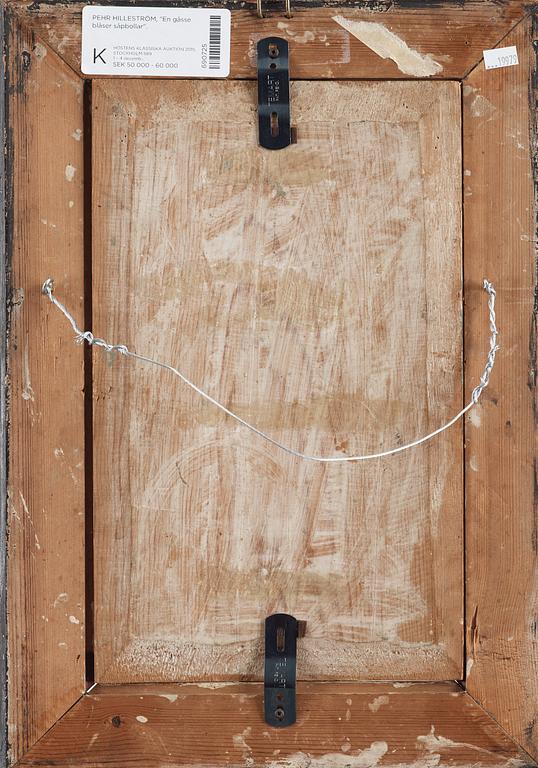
(501, 57)
(166, 42)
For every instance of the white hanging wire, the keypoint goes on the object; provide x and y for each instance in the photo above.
(87, 336)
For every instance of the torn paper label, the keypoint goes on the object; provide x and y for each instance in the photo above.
(501, 57)
(387, 45)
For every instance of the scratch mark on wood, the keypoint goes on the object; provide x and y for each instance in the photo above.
(363, 758)
(481, 107)
(70, 171)
(437, 743)
(377, 703)
(27, 392)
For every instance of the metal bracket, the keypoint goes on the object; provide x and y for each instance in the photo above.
(281, 633)
(261, 15)
(274, 123)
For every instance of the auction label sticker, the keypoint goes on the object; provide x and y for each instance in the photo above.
(173, 42)
(501, 57)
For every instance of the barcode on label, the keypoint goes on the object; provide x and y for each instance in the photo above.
(151, 41)
(214, 41)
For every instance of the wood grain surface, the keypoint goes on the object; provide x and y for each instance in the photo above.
(45, 506)
(338, 726)
(502, 534)
(316, 292)
(46, 435)
(436, 39)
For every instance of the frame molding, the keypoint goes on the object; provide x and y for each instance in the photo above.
(4, 280)
(45, 517)
(499, 111)
(454, 34)
(339, 724)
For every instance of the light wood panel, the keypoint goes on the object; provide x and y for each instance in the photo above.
(315, 291)
(338, 726)
(453, 35)
(46, 435)
(502, 538)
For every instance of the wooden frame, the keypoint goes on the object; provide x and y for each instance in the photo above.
(491, 718)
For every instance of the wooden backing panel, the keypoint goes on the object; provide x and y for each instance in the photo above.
(338, 726)
(451, 35)
(500, 223)
(281, 283)
(46, 448)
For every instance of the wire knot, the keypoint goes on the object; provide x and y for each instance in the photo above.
(47, 288)
(121, 348)
(80, 338)
(94, 341)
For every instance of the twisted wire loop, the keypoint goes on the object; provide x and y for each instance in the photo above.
(47, 289)
(89, 338)
(493, 346)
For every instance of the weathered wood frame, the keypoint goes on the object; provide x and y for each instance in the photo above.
(500, 693)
